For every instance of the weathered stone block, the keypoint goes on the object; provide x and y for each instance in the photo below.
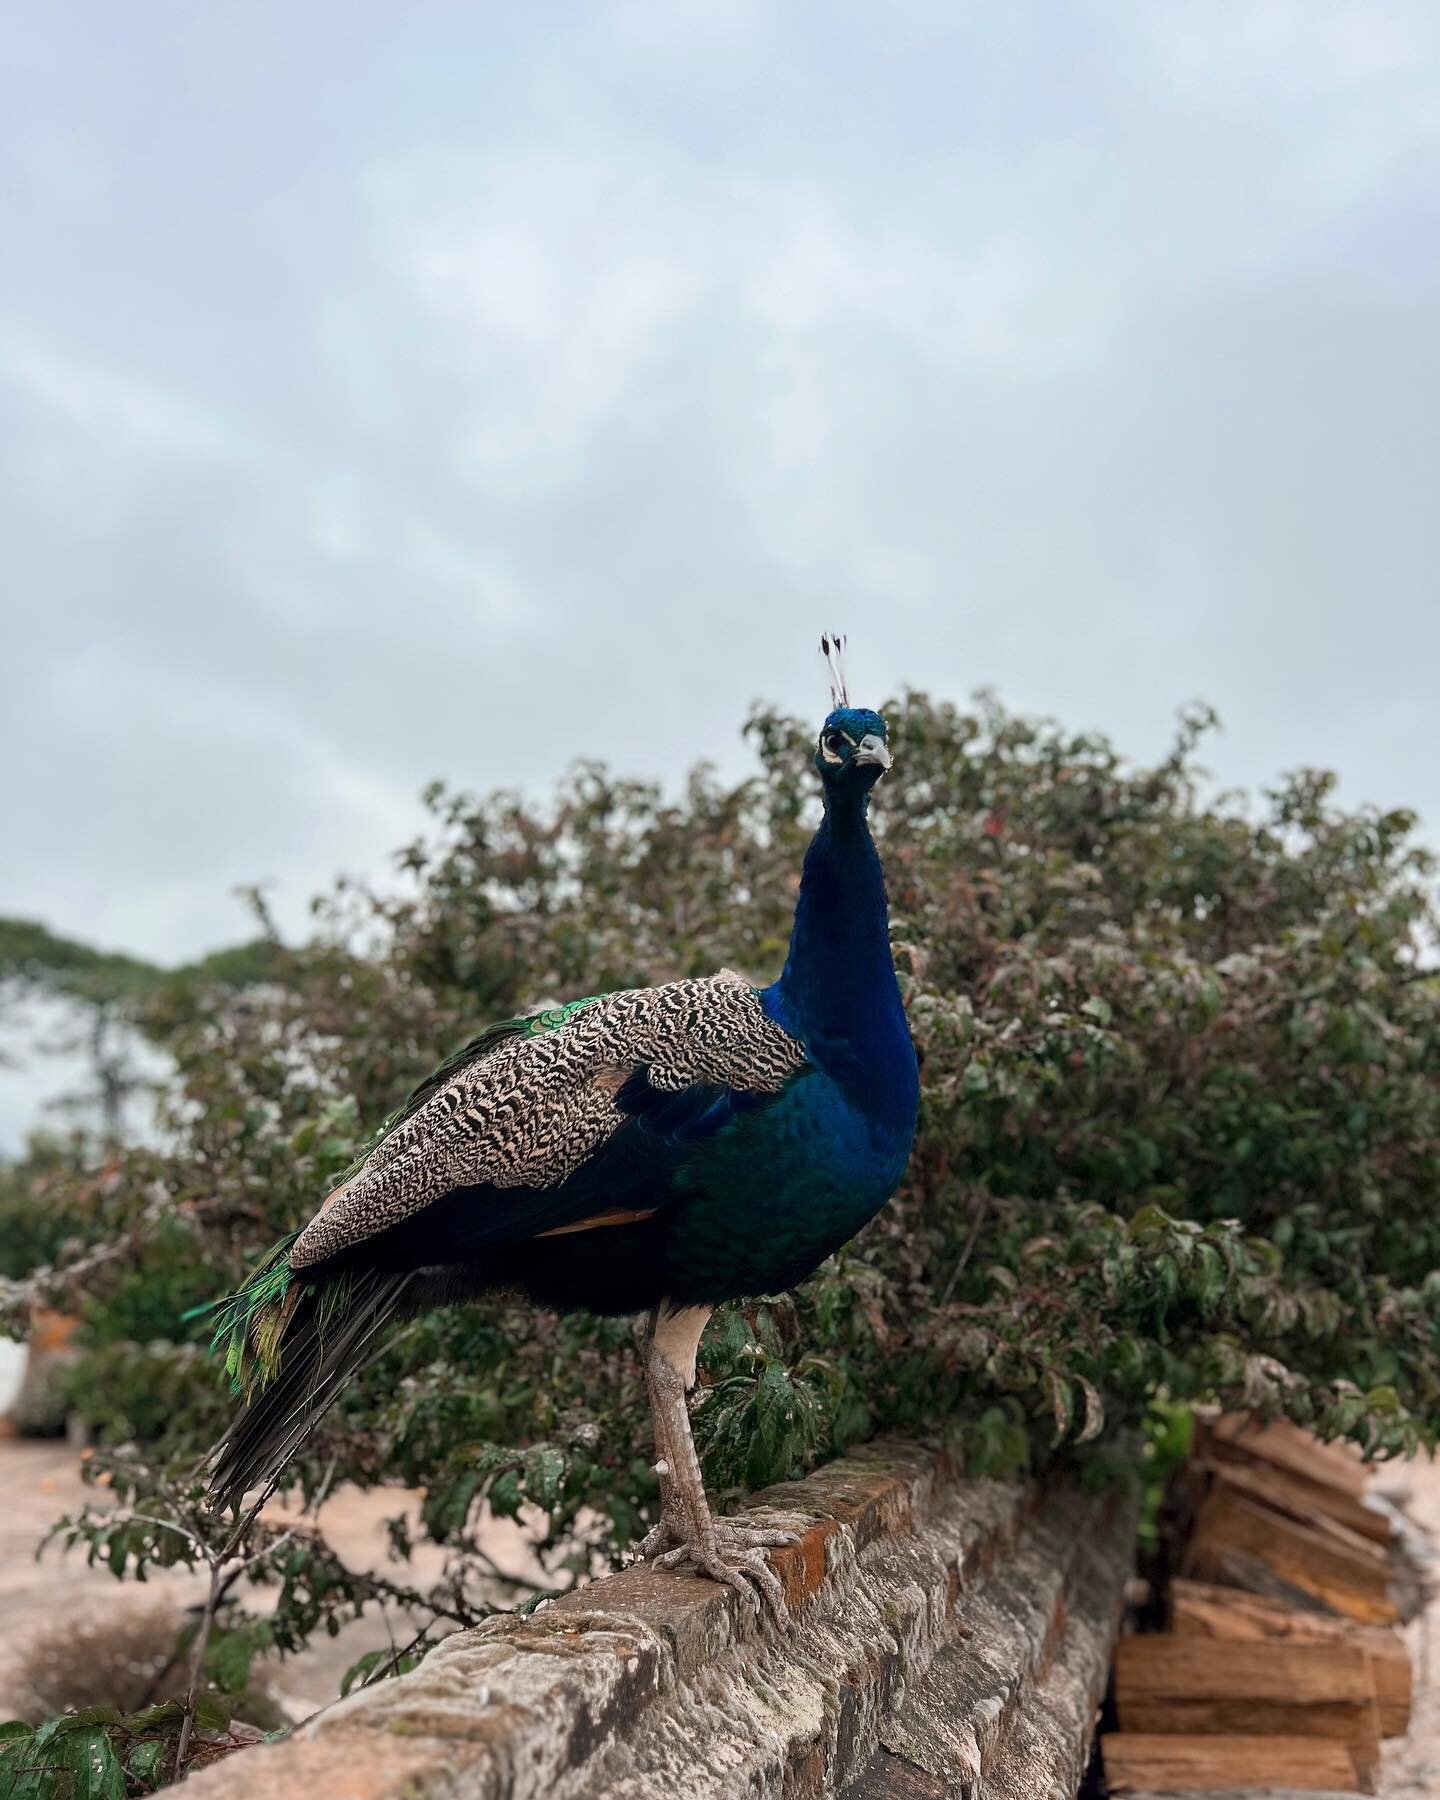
(948, 1638)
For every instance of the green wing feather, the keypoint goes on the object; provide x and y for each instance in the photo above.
(248, 1323)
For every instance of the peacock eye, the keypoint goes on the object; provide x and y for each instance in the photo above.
(832, 745)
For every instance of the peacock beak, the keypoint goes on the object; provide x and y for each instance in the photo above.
(872, 749)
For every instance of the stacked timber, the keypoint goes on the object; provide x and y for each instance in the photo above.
(1282, 1666)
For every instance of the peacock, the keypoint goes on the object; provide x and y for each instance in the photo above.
(656, 1151)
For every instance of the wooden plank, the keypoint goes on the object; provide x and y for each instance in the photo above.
(1198, 1609)
(1209, 1609)
(1303, 1498)
(1234, 1568)
(1160, 1663)
(1188, 1685)
(1193, 1764)
(1346, 1580)
(1335, 1464)
(1259, 1485)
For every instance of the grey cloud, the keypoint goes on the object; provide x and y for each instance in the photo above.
(390, 391)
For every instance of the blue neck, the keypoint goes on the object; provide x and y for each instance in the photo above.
(837, 992)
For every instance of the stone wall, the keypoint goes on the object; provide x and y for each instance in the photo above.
(948, 1637)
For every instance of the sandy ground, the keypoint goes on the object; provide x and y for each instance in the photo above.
(39, 1480)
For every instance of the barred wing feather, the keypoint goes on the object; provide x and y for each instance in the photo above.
(530, 1112)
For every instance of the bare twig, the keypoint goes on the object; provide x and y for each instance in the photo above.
(197, 1670)
(980, 1211)
(139, 1518)
(382, 1670)
(321, 1494)
(222, 1579)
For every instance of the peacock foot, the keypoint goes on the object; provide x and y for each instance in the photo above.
(744, 1570)
(729, 1551)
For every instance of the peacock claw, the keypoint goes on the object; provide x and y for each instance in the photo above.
(730, 1534)
(656, 1539)
(744, 1570)
(734, 1555)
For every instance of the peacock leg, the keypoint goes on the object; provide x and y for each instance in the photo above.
(688, 1535)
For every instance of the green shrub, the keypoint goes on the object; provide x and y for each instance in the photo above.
(1180, 1126)
(43, 1204)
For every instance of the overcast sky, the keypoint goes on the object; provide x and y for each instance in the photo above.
(400, 390)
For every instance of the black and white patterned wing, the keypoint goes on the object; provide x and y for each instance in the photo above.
(524, 1119)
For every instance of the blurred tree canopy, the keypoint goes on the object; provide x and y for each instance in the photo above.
(110, 992)
(1180, 1128)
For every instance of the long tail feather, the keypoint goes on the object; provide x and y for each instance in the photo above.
(290, 1343)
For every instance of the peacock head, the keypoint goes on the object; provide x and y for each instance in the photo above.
(852, 752)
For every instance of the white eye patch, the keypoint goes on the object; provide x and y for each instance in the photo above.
(834, 756)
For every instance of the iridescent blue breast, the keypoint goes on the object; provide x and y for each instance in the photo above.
(769, 1198)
